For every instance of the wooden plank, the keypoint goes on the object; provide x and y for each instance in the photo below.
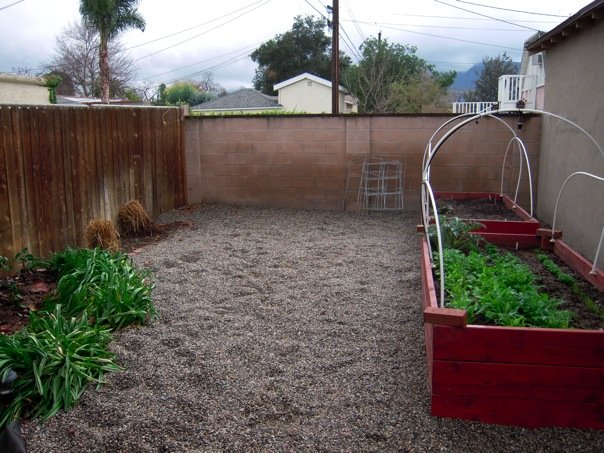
(580, 264)
(445, 316)
(29, 173)
(6, 233)
(521, 345)
(44, 189)
(75, 122)
(60, 218)
(66, 148)
(519, 412)
(509, 380)
(512, 240)
(428, 287)
(507, 227)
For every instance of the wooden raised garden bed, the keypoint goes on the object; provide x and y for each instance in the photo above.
(531, 377)
(518, 224)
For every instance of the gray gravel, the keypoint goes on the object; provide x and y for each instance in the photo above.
(280, 331)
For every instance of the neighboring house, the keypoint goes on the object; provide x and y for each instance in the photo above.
(307, 93)
(18, 89)
(77, 100)
(527, 86)
(244, 101)
(574, 56)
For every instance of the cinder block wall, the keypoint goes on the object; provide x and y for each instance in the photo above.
(306, 161)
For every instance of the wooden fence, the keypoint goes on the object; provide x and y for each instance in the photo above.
(60, 167)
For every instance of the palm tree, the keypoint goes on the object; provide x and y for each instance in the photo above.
(109, 18)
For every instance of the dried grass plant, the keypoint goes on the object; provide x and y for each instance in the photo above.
(103, 234)
(134, 220)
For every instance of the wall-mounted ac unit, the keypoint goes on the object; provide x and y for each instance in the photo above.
(538, 59)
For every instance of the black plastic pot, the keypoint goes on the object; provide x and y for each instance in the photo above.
(10, 438)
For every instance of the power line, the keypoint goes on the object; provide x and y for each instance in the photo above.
(12, 4)
(508, 9)
(446, 37)
(200, 34)
(484, 15)
(194, 26)
(446, 26)
(319, 12)
(246, 49)
(462, 18)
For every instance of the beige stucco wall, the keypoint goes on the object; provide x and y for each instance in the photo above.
(304, 161)
(22, 90)
(575, 90)
(308, 96)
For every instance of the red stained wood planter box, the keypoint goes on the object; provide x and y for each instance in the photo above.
(530, 377)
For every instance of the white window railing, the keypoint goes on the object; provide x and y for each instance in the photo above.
(515, 88)
(474, 107)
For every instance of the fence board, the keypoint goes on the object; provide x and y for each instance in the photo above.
(62, 166)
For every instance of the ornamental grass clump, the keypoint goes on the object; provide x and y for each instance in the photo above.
(134, 220)
(55, 358)
(107, 286)
(102, 233)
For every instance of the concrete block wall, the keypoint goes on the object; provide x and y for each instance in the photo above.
(306, 161)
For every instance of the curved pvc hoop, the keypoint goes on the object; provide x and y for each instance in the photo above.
(523, 153)
(430, 152)
(590, 175)
(426, 185)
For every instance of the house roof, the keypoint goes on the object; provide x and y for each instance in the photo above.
(585, 18)
(303, 76)
(246, 98)
(16, 78)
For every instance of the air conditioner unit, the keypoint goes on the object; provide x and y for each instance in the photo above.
(538, 59)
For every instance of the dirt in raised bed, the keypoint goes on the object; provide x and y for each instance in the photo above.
(477, 208)
(584, 317)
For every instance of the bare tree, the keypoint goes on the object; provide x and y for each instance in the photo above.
(77, 59)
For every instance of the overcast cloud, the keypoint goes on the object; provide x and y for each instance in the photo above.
(222, 34)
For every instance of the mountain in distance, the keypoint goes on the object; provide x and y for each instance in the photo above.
(465, 80)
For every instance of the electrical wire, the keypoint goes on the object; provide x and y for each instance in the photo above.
(443, 26)
(462, 18)
(246, 49)
(12, 4)
(484, 15)
(448, 37)
(512, 10)
(200, 34)
(194, 26)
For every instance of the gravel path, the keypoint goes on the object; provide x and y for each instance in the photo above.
(280, 331)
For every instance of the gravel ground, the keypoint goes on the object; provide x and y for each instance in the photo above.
(280, 331)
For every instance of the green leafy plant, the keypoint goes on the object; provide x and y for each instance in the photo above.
(55, 358)
(496, 288)
(571, 282)
(455, 234)
(106, 286)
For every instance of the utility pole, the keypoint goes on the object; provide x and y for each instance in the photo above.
(335, 58)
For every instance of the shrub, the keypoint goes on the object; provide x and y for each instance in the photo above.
(55, 358)
(106, 286)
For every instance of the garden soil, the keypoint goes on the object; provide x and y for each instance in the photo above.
(280, 330)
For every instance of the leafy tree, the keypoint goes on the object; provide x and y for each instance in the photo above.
(76, 61)
(391, 77)
(184, 93)
(487, 84)
(304, 48)
(109, 18)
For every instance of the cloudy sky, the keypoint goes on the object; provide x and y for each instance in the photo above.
(186, 39)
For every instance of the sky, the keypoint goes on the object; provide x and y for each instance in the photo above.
(188, 39)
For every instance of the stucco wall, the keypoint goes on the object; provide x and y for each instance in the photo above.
(303, 162)
(305, 98)
(23, 90)
(574, 89)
